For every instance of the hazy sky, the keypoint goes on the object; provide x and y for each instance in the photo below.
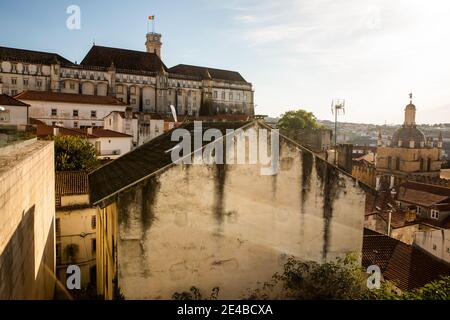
(297, 53)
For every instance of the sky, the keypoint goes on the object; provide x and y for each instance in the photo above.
(296, 53)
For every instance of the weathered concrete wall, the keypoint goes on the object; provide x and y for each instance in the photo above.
(435, 242)
(230, 227)
(27, 211)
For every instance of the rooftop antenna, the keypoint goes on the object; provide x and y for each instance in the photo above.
(337, 105)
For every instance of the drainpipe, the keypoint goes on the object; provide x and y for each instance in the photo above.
(389, 223)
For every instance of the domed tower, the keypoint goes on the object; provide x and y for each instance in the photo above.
(153, 43)
(410, 154)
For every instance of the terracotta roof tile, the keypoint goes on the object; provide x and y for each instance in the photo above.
(422, 194)
(408, 266)
(68, 98)
(6, 100)
(71, 183)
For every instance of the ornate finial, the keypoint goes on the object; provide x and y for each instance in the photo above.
(410, 97)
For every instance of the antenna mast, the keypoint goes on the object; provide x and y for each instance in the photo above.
(336, 106)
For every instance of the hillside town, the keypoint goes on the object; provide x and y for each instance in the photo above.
(88, 182)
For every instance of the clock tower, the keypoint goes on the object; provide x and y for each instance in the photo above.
(153, 43)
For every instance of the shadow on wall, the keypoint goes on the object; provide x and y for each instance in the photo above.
(17, 263)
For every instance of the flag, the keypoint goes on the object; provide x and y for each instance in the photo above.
(151, 17)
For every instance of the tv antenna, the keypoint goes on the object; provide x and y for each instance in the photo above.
(337, 106)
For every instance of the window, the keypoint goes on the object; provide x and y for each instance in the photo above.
(58, 253)
(54, 112)
(245, 97)
(25, 82)
(215, 94)
(389, 164)
(147, 102)
(53, 123)
(25, 68)
(133, 101)
(93, 124)
(223, 95)
(94, 245)
(397, 163)
(75, 124)
(75, 113)
(58, 226)
(239, 96)
(119, 89)
(93, 114)
(434, 214)
(434, 247)
(13, 92)
(13, 80)
(189, 93)
(4, 115)
(418, 210)
(132, 90)
(93, 221)
(39, 83)
(72, 86)
(231, 96)
(14, 67)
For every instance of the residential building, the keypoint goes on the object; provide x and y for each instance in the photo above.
(75, 227)
(13, 111)
(70, 110)
(140, 79)
(407, 267)
(27, 215)
(108, 144)
(164, 227)
(435, 242)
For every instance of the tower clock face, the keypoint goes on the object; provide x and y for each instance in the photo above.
(155, 38)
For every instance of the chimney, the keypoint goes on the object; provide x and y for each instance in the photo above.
(55, 131)
(89, 130)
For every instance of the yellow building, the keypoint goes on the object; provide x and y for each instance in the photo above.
(408, 153)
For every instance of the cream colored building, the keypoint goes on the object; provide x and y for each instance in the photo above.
(75, 227)
(140, 79)
(408, 153)
(69, 109)
(163, 228)
(12, 111)
(27, 216)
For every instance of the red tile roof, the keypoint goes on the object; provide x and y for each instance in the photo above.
(408, 266)
(423, 194)
(45, 131)
(71, 183)
(68, 98)
(6, 100)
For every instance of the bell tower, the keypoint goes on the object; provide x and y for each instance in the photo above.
(153, 43)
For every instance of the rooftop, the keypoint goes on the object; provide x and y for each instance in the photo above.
(408, 266)
(71, 183)
(423, 194)
(46, 131)
(32, 56)
(6, 100)
(123, 59)
(68, 98)
(207, 73)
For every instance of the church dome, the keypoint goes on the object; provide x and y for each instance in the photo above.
(406, 134)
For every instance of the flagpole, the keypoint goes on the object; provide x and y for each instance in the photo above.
(153, 24)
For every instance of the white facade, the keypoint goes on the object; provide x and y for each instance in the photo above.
(435, 242)
(13, 115)
(111, 147)
(124, 123)
(71, 115)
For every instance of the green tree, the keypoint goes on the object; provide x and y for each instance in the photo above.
(74, 153)
(298, 119)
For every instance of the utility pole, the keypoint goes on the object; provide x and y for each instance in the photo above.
(336, 105)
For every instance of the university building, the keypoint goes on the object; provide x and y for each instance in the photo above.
(137, 78)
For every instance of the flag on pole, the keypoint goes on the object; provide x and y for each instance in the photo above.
(151, 17)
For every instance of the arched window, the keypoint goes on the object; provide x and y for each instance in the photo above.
(389, 164)
(397, 163)
(421, 164)
(429, 164)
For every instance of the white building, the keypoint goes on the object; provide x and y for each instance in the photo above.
(70, 110)
(12, 111)
(75, 226)
(109, 144)
(138, 78)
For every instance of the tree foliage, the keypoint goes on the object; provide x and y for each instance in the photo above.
(74, 153)
(298, 119)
